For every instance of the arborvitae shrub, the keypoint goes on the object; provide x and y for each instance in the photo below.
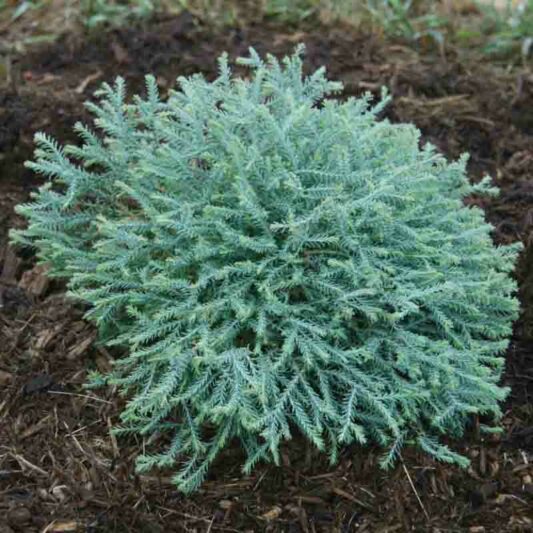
(276, 261)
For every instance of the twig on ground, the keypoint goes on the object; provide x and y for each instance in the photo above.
(95, 398)
(25, 463)
(414, 490)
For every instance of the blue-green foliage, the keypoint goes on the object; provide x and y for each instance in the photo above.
(275, 260)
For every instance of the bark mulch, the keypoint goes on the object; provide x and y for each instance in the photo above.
(60, 467)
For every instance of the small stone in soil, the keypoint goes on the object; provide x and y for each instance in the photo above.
(5, 377)
(39, 383)
(18, 516)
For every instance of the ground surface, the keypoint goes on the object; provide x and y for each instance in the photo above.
(60, 470)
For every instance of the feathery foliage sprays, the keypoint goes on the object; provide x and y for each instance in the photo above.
(276, 261)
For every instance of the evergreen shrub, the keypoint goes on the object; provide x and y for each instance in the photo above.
(276, 261)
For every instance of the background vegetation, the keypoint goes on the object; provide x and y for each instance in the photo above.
(505, 29)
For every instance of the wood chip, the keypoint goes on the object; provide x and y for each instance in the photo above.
(25, 464)
(35, 281)
(121, 54)
(315, 500)
(11, 265)
(350, 497)
(274, 513)
(5, 378)
(47, 78)
(58, 526)
(116, 451)
(225, 504)
(47, 336)
(80, 89)
(60, 493)
(35, 428)
(82, 347)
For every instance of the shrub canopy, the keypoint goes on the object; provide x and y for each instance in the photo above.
(276, 260)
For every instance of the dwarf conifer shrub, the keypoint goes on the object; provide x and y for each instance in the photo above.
(276, 261)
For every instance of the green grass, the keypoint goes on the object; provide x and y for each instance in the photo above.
(509, 31)
(115, 13)
(399, 18)
(506, 33)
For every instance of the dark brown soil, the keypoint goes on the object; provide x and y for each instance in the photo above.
(60, 470)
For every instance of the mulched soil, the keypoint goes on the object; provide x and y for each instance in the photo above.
(62, 470)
